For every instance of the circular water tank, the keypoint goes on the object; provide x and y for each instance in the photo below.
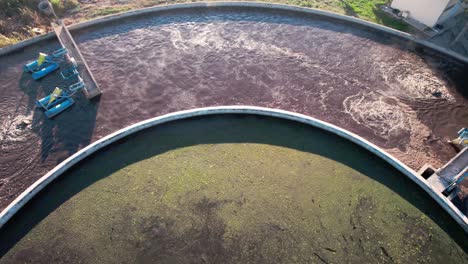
(45, 7)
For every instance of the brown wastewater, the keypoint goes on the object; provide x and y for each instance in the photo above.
(407, 100)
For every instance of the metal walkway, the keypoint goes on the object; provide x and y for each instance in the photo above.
(446, 178)
(92, 89)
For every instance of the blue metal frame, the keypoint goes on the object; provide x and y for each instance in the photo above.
(69, 73)
(463, 133)
(50, 64)
(62, 103)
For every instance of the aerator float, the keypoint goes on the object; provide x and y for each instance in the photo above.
(45, 64)
(76, 70)
(59, 100)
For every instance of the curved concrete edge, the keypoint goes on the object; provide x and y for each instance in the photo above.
(304, 10)
(40, 184)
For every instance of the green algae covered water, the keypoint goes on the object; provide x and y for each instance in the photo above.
(233, 189)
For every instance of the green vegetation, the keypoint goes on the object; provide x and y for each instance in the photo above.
(365, 9)
(108, 10)
(19, 17)
(16, 20)
(4, 41)
(370, 10)
(62, 6)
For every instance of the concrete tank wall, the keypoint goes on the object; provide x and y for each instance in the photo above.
(58, 171)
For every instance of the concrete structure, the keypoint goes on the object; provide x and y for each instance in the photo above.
(447, 178)
(428, 12)
(20, 201)
(91, 89)
(59, 170)
(451, 174)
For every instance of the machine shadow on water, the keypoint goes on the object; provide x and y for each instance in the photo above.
(67, 132)
(219, 130)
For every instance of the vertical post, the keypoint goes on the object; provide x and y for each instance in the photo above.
(46, 7)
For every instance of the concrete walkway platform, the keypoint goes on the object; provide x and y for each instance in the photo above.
(91, 89)
(447, 177)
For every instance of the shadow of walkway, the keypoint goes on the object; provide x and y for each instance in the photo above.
(67, 132)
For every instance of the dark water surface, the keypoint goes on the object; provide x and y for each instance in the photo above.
(407, 101)
(233, 189)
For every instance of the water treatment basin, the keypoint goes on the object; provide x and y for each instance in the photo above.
(233, 189)
(405, 99)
